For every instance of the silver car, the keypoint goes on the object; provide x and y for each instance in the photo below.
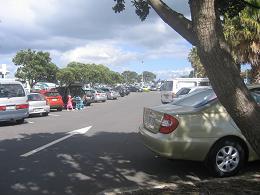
(197, 127)
(111, 94)
(99, 95)
(38, 104)
(13, 101)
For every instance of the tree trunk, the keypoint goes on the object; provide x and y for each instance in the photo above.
(223, 72)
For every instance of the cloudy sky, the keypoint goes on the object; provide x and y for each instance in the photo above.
(89, 31)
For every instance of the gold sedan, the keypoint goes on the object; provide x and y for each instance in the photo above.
(197, 127)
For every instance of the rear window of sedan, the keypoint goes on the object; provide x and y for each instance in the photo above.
(11, 90)
(198, 99)
(35, 97)
(51, 94)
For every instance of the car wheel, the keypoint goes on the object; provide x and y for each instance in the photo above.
(20, 121)
(88, 104)
(59, 109)
(45, 114)
(226, 158)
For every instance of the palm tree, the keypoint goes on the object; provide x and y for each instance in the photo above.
(242, 32)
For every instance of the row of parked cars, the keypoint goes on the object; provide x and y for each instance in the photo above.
(193, 125)
(16, 104)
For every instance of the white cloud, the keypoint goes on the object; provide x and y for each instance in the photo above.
(88, 31)
(169, 74)
(103, 52)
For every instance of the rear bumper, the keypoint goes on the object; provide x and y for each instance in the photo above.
(100, 98)
(39, 110)
(170, 146)
(14, 115)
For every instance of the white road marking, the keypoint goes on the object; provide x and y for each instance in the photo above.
(71, 133)
(54, 115)
(30, 122)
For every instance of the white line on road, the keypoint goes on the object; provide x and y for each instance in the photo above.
(54, 115)
(71, 133)
(30, 122)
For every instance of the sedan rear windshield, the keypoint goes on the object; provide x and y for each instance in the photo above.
(198, 99)
(52, 94)
(35, 97)
(11, 90)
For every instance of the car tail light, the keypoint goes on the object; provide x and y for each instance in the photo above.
(22, 106)
(2, 108)
(168, 124)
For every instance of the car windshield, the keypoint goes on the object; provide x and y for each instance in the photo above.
(197, 100)
(11, 90)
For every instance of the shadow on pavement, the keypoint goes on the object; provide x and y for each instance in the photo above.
(88, 165)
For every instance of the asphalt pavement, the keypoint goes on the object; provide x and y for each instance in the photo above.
(45, 155)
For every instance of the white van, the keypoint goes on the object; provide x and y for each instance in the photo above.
(13, 101)
(171, 87)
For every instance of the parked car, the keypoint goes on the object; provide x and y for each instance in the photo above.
(135, 89)
(171, 87)
(89, 97)
(38, 104)
(13, 101)
(111, 94)
(184, 91)
(197, 127)
(54, 99)
(99, 95)
(120, 90)
(74, 90)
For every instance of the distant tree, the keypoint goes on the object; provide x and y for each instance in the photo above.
(194, 59)
(66, 76)
(35, 66)
(130, 76)
(88, 73)
(148, 76)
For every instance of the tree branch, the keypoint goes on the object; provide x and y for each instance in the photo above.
(175, 20)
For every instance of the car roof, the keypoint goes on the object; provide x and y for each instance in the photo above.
(9, 81)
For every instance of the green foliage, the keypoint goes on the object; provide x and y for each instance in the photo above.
(35, 66)
(141, 7)
(88, 73)
(130, 76)
(148, 76)
(242, 33)
(194, 59)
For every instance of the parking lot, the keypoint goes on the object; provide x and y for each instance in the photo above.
(105, 153)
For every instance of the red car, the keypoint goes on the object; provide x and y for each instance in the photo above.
(54, 99)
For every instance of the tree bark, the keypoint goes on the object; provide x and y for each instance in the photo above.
(223, 72)
(220, 67)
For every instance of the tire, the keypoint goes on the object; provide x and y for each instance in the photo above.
(59, 109)
(20, 121)
(226, 158)
(45, 114)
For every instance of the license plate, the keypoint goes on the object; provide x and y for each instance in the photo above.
(10, 108)
(54, 100)
(38, 110)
